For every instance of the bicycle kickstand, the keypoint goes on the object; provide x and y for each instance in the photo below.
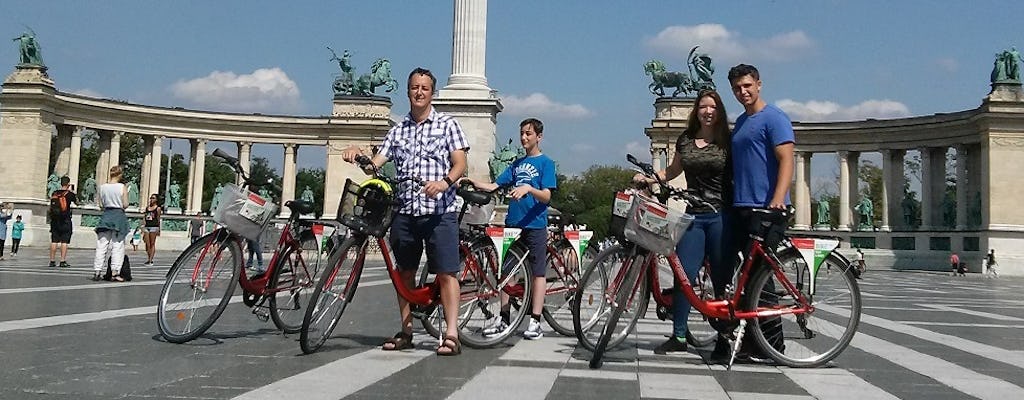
(736, 345)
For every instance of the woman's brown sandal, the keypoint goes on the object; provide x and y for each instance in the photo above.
(400, 341)
(454, 349)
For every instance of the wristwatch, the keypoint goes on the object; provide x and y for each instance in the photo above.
(448, 181)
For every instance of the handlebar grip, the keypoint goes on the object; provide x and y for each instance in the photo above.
(225, 156)
(363, 160)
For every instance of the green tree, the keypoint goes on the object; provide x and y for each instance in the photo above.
(215, 172)
(179, 175)
(589, 196)
(260, 172)
(314, 178)
(133, 151)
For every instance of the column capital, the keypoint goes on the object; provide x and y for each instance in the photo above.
(115, 136)
(290, 146)
(77, 131)
(244, 143)
(843, 154)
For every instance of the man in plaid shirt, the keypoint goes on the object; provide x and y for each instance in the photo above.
(429, 145)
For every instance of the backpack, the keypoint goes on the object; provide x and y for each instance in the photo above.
(59, 206)
(126, 270)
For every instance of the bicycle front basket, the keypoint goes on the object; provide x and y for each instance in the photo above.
(367, 208)
(243, 212)
(654, 226)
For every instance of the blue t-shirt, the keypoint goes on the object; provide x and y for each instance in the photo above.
(537, 171)
(755, 168)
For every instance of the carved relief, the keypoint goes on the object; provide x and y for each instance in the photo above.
(1008, 141)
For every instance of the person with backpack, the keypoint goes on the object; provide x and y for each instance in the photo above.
(112, 228)
(60, 221)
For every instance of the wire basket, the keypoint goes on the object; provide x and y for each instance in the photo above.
(366, 208)
(243, 212)
(655, 226)
(620, 208)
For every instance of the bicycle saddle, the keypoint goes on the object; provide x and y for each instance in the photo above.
(299, 207)
(478, 198)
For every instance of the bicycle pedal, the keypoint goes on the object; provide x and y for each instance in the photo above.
(261, 314)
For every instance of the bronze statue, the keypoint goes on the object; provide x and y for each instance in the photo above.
(52, 184)
(345, 83)
(867, 213)
(174, 197)
(701, 63)
(823, 213)
(30, 52)
(502, 158)
(662, 78)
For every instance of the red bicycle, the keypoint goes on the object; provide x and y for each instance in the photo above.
(777, 288)
(201, 282)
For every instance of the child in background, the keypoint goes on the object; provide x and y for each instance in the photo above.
(16, 230)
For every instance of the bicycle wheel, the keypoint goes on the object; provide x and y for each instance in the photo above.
(592, 304)
(700, 332)
(480, 307)
(624, 295)
(189, 306)
(479, 268)
(295, 272)
(562, 278)
(814, 338)
(332, 295)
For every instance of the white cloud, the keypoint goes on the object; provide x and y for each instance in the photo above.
(264, 90)
(540, 106)
(88, 93)
(815, 110)
(721, 43)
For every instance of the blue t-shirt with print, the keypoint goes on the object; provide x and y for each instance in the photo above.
(537, 171)
(755, 168)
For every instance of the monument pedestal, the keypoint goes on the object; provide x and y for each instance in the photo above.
(174, 210)
(820, 227)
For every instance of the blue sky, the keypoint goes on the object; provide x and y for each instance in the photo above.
(576, 65)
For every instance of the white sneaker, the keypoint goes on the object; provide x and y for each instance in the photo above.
(494, 327)
(533, 331)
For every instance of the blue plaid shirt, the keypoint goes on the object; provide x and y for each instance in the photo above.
(424, 151)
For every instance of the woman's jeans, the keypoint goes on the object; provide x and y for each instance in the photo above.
(702, 239)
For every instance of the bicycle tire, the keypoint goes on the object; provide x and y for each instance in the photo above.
(175, 319)
(623, 294)
(811, 340)
(286, 305)
(333, 293)
(591, 305)
(483, 307)
(557, 309)
(468, 276)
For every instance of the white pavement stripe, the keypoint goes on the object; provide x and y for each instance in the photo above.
(512, 383)
(975, 313)
(960, 324)
(599, 374)
(766, 396)
(73, 318)
(994, 353)
(339, 378)
(942, 371)
(674, 386)
(835, 384)
(551, 348)
(104, 285)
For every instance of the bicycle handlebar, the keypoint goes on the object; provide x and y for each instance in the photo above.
(247, 180)
(687, 195)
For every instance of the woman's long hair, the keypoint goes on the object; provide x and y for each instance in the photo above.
(720, 131)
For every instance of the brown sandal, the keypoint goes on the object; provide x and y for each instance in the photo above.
(400, 341)
(453, 349)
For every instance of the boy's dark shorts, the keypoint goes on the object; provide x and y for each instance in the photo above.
(441, 234)
(536, 241)
(60, 232)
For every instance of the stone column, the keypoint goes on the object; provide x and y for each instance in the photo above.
(189, 205)
(656, 156)
(928, 188)
(892, 189)
(288, 177)
(103, 161)
(469, 46)
(845, 213)
(76, 154)
(802, 198)
(467, 96)
(195, 187)
(974, 185)
(155, 165)
(147, 168)
(962, 187)
(244, 155)
(62, 164)
(115, 149)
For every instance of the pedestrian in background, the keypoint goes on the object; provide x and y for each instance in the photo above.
(16, 230)
(6, 211)
(152, 217)
(195, 227)
(112, 228)
(60, 221)
(954, 261)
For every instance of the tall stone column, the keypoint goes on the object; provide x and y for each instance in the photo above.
(102, 170)
(147, 168)
(244, 155)
(892, 189)
(195, 188)
(26, 124)
(845, 211)
(853, 163)
(802, 198)
(467, 96)
(974, 185)
(657, 154)
(63, 144)
(288, 177)
(76, 154)
(928, 188)
(962, 186)
(155, 165)
(190, 207)
(114, 158)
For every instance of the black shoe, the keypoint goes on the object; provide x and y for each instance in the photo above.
(53, 264)
(64, 264)
(96, 277)
(722, 351)
(671, 345)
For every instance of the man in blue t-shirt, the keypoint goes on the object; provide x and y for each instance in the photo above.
(762, 163)
(532, 178)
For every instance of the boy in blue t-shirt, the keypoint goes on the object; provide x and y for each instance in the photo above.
(532, 178)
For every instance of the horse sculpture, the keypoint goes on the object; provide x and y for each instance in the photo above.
(663, 78)
(346, 83)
